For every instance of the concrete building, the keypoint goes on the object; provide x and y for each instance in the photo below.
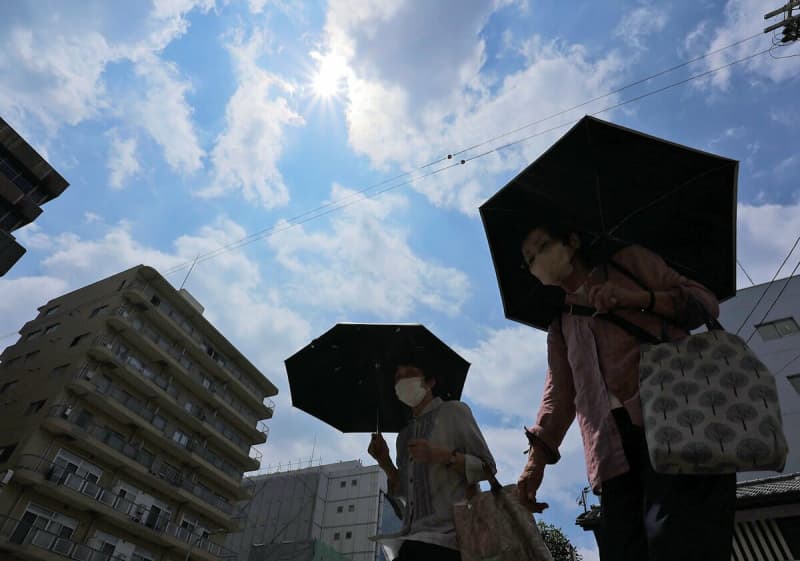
(126, 423)
(26, 183)
(769, 317)
(308, 514)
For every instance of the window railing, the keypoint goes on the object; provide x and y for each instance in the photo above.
(138, 455)
(178, 319)
(139, 408)
(55, 539)
(144, 515)
(189, 366)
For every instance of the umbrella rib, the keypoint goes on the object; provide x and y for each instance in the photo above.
(662, 197)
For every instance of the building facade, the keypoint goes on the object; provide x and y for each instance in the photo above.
(126, 423)
(26, 183)
(299, 515)
(768, 317)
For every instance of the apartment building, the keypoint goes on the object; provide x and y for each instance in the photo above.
(126, 423)
(327, 511)
(27, 182)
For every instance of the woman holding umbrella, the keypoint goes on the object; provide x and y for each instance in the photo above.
(593, 375)
(440, 454)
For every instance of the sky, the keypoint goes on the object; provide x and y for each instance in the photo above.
(186, 125)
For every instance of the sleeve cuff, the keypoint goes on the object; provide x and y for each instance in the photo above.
(473, 469)
(543, 451)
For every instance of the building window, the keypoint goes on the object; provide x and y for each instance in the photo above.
(121, 285)
(337, 536)
(776, 329)
(339, 509)
(78, 339)
(159, 422)
(6, 451)
(8, 386)
(348, 535)
(351, 508)
(50, 311)
(31, 355)
(35, 406)
(51, 328)
(354, 482)
(155, 300)
(180, 438)
(97, 310)
(33, 335)
(343, 484)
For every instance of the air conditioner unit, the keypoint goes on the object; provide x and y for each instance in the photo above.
(5, 479)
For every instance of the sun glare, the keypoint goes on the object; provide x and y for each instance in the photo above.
(327, 82)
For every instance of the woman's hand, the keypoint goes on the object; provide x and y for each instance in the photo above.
(379, 450)
(528, 484)
(423, 451)
(607, 296)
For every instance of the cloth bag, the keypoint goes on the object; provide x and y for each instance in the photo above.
(710, 406)
(494, 526)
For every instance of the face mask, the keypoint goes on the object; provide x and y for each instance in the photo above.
(553, 264)
(410, 391)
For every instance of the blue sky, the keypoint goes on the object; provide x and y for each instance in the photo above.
(185, 125)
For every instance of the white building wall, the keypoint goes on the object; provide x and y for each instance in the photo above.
(782, 355)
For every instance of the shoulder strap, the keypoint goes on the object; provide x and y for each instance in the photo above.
(642, 334)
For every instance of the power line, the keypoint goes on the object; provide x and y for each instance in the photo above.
(745, 272)
(766, 289)
(328, 208)
(612, 92)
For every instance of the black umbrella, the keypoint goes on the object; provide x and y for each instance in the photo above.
(618, 186)
(345, 377)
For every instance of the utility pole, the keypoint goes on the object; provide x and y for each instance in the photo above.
(790, 22)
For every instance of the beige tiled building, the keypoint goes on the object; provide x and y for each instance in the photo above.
(126, 423)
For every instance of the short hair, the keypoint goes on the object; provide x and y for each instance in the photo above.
(594, 250)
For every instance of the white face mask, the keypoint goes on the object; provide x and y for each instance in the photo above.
(411, 391)
(553, 264)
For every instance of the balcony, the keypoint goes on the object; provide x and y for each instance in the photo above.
(157, 347)
(27, 541)
(132, 517)
(106, 348)
(65, 419)
(118, 403)
(141, 293)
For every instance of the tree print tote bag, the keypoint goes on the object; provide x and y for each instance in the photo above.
(710, 406)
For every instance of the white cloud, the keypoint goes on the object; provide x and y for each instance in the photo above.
(21, 297)
(365, 263)
(399, 115)
(642, 21)
(162, 111)
(508, 371)
(738, 21)
(122, 163)
(245, 157)
(762, 247)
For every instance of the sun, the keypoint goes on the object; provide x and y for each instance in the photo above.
(327, 81)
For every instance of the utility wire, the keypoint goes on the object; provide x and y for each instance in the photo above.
(267, 231)
(745, 272)
(766, 289)
(362, 194)
(609, 94)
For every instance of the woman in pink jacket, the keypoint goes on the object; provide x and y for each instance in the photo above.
(593, 376)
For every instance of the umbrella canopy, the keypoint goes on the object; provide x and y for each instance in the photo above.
(345, 377)
(622, 187)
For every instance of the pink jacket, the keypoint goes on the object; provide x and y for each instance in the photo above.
(583, 350)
